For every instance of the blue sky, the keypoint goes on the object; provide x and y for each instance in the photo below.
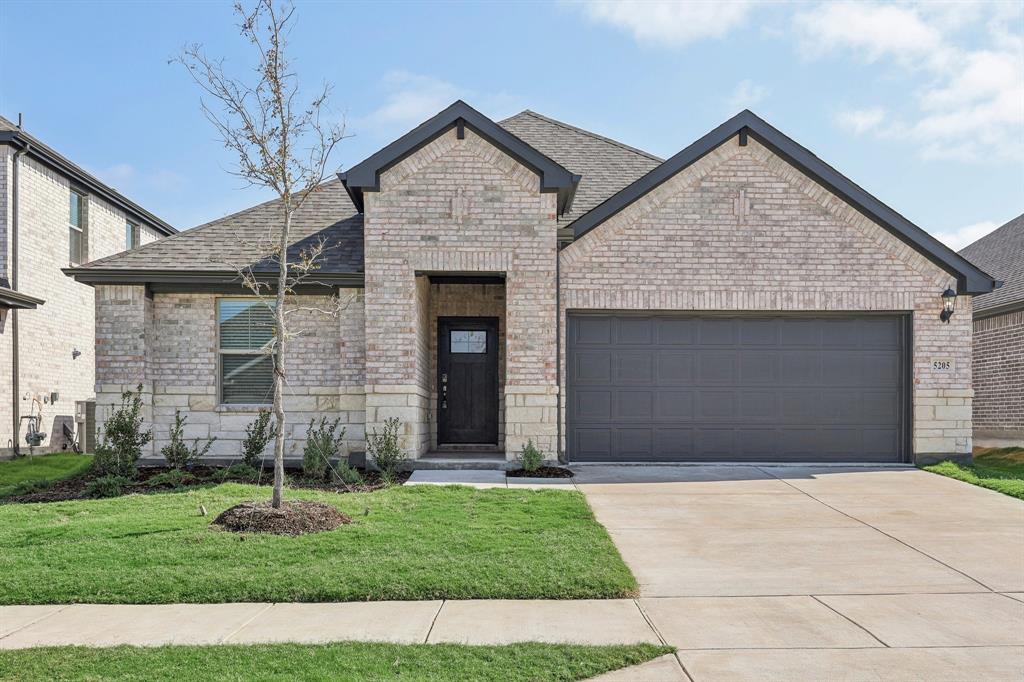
(922, 105)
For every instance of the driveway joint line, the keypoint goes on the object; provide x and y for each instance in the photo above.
(843, 615)
(879, 530)
(61, 610)
(225, 638)
(433, 621)
(661, 638)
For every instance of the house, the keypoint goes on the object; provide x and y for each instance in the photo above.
(52, 214)
(999, 338)
(502, 282)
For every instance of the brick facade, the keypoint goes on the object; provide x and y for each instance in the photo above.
(792, 246)
(56, 339)
(999, 379)
(739, 230)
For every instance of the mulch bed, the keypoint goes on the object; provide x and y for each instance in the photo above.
(74, 488)
(292, 518)
(540, 472)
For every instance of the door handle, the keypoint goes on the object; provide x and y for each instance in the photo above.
(444, 391)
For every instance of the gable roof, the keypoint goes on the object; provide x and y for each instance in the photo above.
(209, 253)
(970, 279)
(1001, 253)
(365, 176)
(13, 135)
(605, 165)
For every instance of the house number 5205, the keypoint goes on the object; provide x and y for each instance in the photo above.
(942, 365)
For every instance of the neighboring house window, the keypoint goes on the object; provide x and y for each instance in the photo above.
(245, 332)
(76, 229)
(131, 235)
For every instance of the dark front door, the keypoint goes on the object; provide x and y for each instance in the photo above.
(467, 380)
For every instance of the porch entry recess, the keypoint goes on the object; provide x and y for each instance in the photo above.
(467, 381)
(738, 387)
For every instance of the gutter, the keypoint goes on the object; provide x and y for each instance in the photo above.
(94, 275)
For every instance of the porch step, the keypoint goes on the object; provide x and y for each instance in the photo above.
(461, 460)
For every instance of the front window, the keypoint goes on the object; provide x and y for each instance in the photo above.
(76, 229)
(131, 235)
(246, 333)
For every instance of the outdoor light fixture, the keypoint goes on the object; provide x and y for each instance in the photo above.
(948, 304)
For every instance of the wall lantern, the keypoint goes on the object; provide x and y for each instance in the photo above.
(948, 305)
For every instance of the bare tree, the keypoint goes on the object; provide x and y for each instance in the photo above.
(280, 143)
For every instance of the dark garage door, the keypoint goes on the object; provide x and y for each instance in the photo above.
(674, 388)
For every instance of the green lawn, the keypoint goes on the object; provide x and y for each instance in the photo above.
(43, 469)
(343, 661)
(407, 542)
(1000, 469)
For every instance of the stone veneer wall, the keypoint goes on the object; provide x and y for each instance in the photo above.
(419, 223)
(999, 379)
(50, 334)
(785, 244)
(169, 343)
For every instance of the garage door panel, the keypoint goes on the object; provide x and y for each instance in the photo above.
(633, 367)
(784, 388)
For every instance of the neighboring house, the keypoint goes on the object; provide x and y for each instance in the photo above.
(999, 338)
(528, 280)
(52, 214)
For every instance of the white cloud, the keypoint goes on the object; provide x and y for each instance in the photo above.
(669, 22)
(968, 234)
(412, 98)
(746, 95)
(860, 121)
(970, 102)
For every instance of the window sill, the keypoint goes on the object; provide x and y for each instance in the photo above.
(243, 407)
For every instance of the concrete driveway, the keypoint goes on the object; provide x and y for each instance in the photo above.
(813, 573)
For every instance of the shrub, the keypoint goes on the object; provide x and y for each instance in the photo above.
(257, 435)
(323, 443)
(177, 454)
(241, 472)
(175, 478)
(107, 486)
(343, 473)
(530, 457)
(385, 451)
(123, 438)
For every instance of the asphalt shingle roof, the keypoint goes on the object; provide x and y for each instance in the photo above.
(1000, 254)
(235, 240)
(241, 239)
(606, 165)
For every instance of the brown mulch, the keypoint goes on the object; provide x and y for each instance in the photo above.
(204, 476)
(540, 472)
(292, 518)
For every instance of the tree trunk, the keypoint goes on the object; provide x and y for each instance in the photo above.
(279, 341)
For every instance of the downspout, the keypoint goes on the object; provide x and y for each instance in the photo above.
(15, 388)
(560, 454)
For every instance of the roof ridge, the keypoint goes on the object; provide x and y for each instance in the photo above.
(588, 133)
(1009, 226)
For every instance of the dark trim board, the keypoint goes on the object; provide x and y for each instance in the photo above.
(739, 386)
(970, 279)
(365, 176)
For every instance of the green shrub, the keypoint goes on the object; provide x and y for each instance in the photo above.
(323, 443)
(107, 486)
(179, 455)
(28, 487)
(240, 472)
(123, 438)
(530, 457)
(175, 478)
(343, 473)
(257, 435)
(385, 451)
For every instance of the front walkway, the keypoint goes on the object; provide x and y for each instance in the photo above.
(754, 573)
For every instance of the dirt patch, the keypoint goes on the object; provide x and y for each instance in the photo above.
(540, 472)
(293, 518)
